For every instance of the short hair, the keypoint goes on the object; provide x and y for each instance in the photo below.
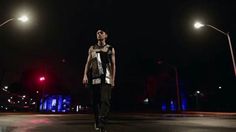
(104, 29)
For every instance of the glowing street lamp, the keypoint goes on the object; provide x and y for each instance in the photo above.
(6, 87)
(146, 101)
(198, 92)
(41, 79)
(198, 25)
(23, 19)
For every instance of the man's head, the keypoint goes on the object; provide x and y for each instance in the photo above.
(101, 35)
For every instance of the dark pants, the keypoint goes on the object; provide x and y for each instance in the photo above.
(101, 96)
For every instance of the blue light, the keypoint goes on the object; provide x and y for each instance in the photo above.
(172, 106)
(56, 103)
(59, 106)
(49, 104)
(163, 107)
(41, 105)
(184, 104)
(45, 104)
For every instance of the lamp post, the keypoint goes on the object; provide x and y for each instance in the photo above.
(177, 87)
(42, 80)
(199, 25)
(176, 83)
(22, 19)
(197, 94)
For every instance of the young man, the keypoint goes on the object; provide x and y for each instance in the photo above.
(99, 73)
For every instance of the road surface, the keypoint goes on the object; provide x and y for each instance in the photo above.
(125, 122)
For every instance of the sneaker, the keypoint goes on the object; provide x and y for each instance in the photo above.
(103, 129)
(96, 127)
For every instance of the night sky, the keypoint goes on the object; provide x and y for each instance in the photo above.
(57, 39)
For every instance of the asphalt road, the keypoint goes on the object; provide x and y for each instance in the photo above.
(125, 122)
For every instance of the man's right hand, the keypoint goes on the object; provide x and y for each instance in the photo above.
(85, 80)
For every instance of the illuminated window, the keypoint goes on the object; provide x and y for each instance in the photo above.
(54, 102)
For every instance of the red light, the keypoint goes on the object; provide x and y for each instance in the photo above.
(42, 78)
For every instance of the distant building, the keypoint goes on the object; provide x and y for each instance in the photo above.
(55, 103)
(161, 89)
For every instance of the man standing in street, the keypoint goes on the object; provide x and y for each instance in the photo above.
(99, 73)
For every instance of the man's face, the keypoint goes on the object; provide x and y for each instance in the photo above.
(101, 35)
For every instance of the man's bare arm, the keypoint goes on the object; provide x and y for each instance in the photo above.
(85, 78)
(113, 64)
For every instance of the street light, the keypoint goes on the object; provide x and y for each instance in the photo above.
(6, 87)
(42, 80)
(199, 25)
(23, 19)
(197, 94)
(176, 81)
